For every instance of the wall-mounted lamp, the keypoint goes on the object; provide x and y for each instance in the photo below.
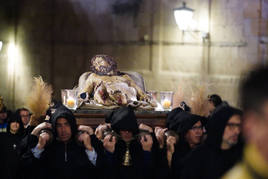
(1, 44)
(183, 16)
(184, 19)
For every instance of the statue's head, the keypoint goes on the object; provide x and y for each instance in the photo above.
(103, 65)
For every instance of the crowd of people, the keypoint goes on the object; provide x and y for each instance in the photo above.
(190, 146)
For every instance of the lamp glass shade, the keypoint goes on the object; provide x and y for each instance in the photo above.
(183, 18)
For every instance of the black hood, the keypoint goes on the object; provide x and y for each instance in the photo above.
(181, 121)
(64, 112)
(123, 118)
(186, 122)
(217, 123)
(202, 119)
(172, 121)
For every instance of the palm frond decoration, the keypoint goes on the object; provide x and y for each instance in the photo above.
(39, 100)
(198, 101)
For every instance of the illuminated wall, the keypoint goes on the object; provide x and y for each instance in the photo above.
(56, 39)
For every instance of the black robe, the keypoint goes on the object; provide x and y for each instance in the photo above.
(143, 163)
(181, 151)
(9, 154)
(61, 160)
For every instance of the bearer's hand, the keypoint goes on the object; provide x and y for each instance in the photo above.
(145, 127)
(171, 141)
(87, 129)
(160, 135)
(85, 139)
(99, 130)
(109, 143)
(41, 126)
(146, 142)
(42, 140)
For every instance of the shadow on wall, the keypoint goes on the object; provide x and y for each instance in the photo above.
(59, 37)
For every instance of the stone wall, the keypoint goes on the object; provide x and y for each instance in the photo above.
(56, 39)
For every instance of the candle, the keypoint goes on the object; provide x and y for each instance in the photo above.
(166, 103)
(70, 102)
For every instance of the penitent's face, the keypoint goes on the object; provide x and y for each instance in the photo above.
(126, 136)
(64, 131)
(232, 131)
(194, 135)
(25, 117)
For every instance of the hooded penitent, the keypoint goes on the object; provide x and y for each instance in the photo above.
(181, 122)
(217, 123)
(209, 160)
(123, 118)
(61, 159)
(63, 112)
(9, 150)
(15, 117)
(128, 160)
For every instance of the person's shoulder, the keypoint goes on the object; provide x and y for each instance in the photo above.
(238, 172)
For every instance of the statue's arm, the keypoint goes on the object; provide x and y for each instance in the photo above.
(85, 83)
(140, 93)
